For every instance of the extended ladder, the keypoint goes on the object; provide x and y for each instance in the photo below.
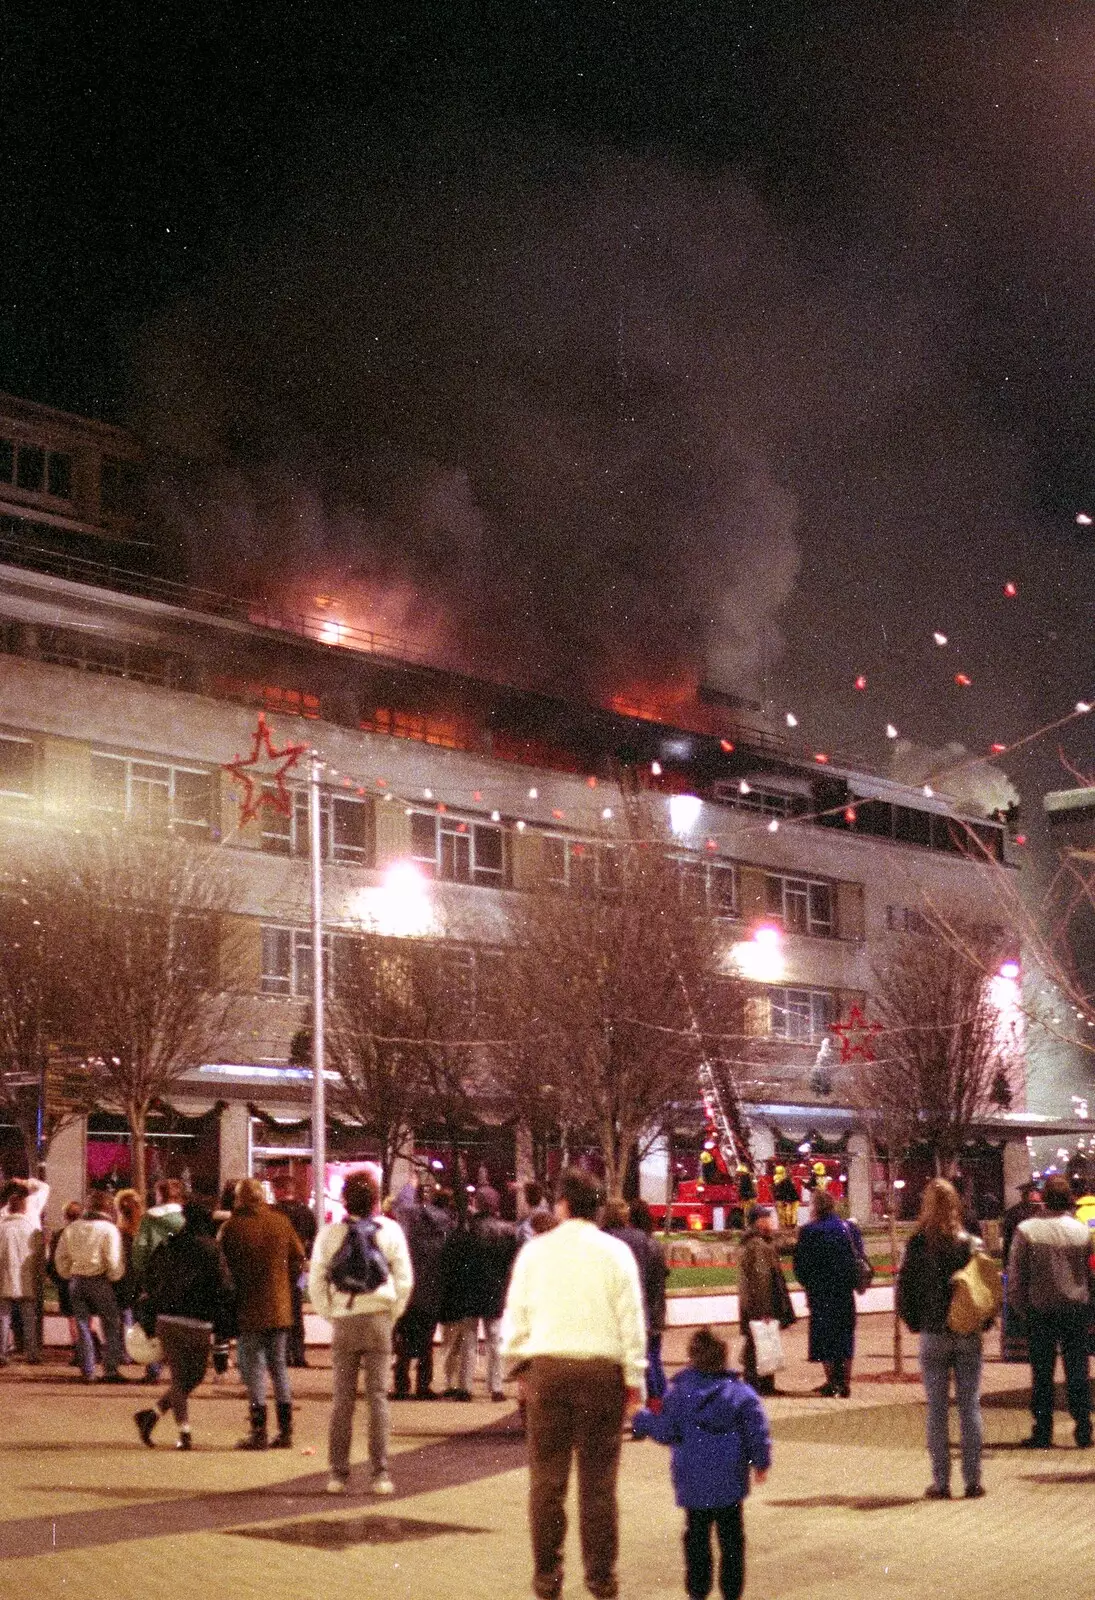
(735, 1153)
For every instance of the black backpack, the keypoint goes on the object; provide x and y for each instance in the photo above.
(359, 1266)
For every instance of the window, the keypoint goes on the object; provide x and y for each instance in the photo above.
(7, 461)
(581, 864)
(16, 766)
(906, 919)
(59, 475)
(802, 905)
(459, 851)
(119, 488)
(153, 794)
(345, 827)
(751, 797)
(710, 886)
(287, 961)
(30, 471)
(801, 1016)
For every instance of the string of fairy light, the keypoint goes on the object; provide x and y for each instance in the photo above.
(417, 799)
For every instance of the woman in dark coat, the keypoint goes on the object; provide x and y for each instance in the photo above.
(938, 1249)
(827, 1266)
(189, 1294)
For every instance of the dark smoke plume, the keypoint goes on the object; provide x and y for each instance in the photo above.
(522, 415)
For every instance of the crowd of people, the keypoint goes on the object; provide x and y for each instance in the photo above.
(572, 1304)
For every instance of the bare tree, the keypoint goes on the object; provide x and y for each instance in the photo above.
(36, 1017)
(402, 1037)
(373, 1031)
(945, 1055)
(151, 966)
(615, 990)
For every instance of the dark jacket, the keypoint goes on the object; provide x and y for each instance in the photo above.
(762, 1288)
(302, 1220)
(263, 1255)
(653, 1271)
(490, 1261)
(826, 1266)
(188, 1277)
(924, 1281)
(717, 1429)
(426, 1227)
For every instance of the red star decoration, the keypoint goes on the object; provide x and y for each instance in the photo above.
(856, 1025)
(254, 795)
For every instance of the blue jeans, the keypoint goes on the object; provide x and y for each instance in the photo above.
(940, 1355)
(655, 1372)
(95, 1297)
(255, 1352)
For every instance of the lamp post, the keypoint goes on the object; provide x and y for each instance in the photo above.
(319, 1102)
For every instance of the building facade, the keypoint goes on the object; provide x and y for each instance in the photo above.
(123, 701)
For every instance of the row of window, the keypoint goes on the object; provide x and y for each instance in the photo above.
(798, 1016)
(30, 467)
(450, 849)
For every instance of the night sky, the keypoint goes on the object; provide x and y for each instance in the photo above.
(598, 346)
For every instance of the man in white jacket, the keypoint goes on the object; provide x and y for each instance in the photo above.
(361, 1330)
(89, 1255)
(575, 1337)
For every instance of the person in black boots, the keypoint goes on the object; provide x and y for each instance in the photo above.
(189, 1301)
(264, 1257)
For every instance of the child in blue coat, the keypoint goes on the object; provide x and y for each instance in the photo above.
(716, 1429)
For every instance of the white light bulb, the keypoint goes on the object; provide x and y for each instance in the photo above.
(534, 794)
(792, 720)
(606, 814)
(773, 826)
(928, 790)
(496, 816)
(656, 768)
(891, 731)
(940, 638)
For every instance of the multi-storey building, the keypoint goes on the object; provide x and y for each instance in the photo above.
(124, 702)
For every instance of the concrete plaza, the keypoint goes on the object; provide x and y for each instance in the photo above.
(88, 1512)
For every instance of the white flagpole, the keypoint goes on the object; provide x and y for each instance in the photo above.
(319, 1106)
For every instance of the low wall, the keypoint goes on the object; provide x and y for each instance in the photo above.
(682, 1311)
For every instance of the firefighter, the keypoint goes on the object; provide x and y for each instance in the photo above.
(786, 1198)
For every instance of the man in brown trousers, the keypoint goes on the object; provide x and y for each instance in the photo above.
(576, 1342)
(264, 1257)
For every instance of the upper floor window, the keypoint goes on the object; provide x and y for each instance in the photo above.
(459, 851)
(16, 766)
(801, 1016)
(710, 886)
(581, 864)
(119, 488)
(153, 794)
(35, 469)
(345, 827)
(906, 919)
(801, 905)
(746, 796)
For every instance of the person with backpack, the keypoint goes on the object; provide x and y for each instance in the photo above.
(360, 1279)
(938, 1248)
(188, 1300)
(717, 1430)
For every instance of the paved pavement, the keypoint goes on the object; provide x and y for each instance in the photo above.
(86, 1511)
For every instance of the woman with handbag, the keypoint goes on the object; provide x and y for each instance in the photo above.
(938, 1249)
(189, 1299)
(828, 1259)
(763, 1295)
